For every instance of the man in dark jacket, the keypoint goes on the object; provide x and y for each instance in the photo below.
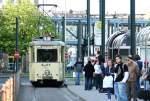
(89, 70)
(121, 77)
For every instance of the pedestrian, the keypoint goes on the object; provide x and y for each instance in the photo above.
(109, 72)
(137, 59)
(102, 65)
(121, 76)
(134, 73)
(100, 58)
(97, 75)
(102, 77)
(89, 70)
(145, 74)
(78, 70)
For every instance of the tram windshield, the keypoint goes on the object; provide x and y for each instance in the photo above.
(47, 55)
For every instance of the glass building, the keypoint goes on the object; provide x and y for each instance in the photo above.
(143, 43)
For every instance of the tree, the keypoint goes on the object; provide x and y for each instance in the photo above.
(32, 23)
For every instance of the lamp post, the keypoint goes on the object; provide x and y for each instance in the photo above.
(102, 19)
(132, 26)
(63, 29)
(88, 25)
(16, 55)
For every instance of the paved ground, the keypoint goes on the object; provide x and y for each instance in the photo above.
(30, 93)
(72, 93)
(92, 95)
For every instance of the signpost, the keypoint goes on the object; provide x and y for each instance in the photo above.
(17, 39)
(16, 55)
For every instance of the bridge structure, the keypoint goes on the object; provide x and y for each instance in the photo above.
(76, 34)
(113, 24)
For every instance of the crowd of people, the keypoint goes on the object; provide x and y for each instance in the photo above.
(114, 76)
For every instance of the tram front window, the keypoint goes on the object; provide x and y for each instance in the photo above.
(46, 55)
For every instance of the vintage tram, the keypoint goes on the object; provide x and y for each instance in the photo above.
(46, 61)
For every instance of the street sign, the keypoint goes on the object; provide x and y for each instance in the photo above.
(16, 55)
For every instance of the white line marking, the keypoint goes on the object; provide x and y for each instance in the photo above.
(68, 98)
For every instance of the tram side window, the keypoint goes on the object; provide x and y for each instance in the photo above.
(47, 55)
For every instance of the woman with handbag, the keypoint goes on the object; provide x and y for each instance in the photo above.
(109, 76)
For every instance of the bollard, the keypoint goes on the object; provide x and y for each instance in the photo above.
(4, 93)
(8, 90)
(11, 89)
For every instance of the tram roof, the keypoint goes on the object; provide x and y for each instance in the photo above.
(46, 42)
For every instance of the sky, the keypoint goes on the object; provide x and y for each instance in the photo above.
(112, 6)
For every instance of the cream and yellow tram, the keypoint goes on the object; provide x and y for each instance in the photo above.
(46, 62)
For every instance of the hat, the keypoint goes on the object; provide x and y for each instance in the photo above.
(130, 57)
(89, 59)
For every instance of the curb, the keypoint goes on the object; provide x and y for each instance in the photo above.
(73, 93)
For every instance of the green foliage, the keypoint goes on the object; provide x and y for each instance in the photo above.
(32, 23)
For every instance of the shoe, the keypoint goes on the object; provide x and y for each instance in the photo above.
(100, 90)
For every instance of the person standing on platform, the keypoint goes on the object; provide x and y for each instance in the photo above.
(134, 73)
(78, 70)
(109, 72)
(89, 71)
(98, 75)
(137, 59)
(121, 76)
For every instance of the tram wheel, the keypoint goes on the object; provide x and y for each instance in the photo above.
(60, 83)
(34, 83)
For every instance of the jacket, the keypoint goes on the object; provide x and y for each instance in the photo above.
(89, 70)
(133, 71)
(109, 72)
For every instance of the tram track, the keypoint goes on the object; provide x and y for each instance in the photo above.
(30, 93)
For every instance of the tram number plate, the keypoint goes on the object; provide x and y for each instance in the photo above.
(44, 65)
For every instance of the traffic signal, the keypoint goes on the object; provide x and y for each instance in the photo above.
(85, 42)
(92, 41)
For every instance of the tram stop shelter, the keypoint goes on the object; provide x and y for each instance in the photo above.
(119, 43)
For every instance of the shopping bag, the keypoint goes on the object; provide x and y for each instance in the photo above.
(108, 82)
(74, 74)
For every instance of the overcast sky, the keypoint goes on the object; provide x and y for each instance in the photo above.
(112, 6)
